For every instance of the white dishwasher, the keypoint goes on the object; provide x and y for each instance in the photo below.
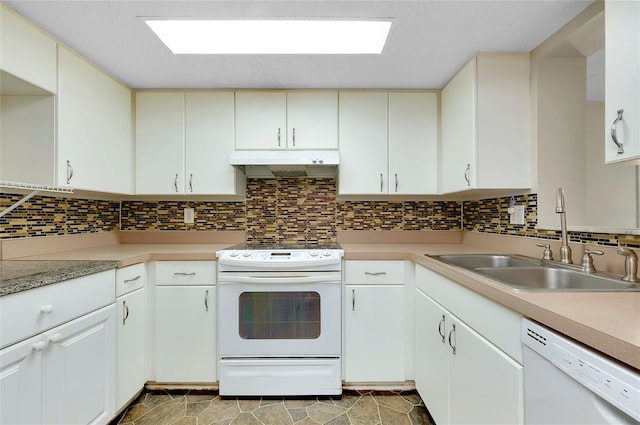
(567, 383)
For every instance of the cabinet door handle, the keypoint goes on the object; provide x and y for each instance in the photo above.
(452, 333)
(206, 300)
(278, 137)
(381, 183)
(184, 274)
(353, 300)
(133, 279)
(614, 132)
(39, 346)
(55, 338)
(293, 136)
(175, 183)
(125, 309)
(69, 172)
(191, 182)
(467, 174)
(396, 175)
(441, 328)
(375, 273)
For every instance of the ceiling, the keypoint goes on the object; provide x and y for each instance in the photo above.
(429, 41)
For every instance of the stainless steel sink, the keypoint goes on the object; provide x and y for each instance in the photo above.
(529, 274)
(474, 261)
(554, 279)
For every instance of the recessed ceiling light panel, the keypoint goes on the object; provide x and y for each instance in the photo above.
(287, 37)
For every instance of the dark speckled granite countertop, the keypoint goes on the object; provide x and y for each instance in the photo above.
(18, 275)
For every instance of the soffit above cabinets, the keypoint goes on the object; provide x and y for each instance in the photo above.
(429, 41)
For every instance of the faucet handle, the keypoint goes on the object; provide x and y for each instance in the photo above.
(547, 254)
(587, 261)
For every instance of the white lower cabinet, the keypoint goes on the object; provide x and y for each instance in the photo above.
(63, 376)
(185, 321)
(131, 325)
(374, 321)
(462, 377)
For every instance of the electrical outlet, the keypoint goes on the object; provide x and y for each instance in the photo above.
(517, 216)
(188, 216)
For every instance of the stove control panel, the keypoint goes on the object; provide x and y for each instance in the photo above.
(279, 255)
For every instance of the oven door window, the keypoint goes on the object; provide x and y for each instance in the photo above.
(279, 315)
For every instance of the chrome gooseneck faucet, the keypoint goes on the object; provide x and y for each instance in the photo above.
(565, 249)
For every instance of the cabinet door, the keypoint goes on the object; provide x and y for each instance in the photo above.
(432, 356)
(94, 128)
(413, 143)
(486, 386)
(131, 343)
(374, 334)
(160, 143)
(363, 143)
(27, 52)
(185, 334)
(261, 120)
(312, 120)
(80, 370)
(622, 78)
(209, 142)
(458, 105)
(21, 382)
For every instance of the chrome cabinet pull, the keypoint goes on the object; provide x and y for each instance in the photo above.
(278, 137)
(206, 300)
(381, 182)
(184, 274)
(293, 136)
(375, 273)
(133, 279)
(467, 173)
(191, 182)
(353, 300)
(175, 183)
(125, 309)
(614, 132)
(69, 172)
(396, 182)
(452, 333)
(441, 328)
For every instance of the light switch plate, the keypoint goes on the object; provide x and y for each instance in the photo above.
(517, 217)
(188, 216)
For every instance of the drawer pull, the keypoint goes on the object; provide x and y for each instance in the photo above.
(133, 279)
(39, 346)
(375, 273)
(184, 274)
(46, 309)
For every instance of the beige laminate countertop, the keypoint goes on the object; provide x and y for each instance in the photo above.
(606, 321)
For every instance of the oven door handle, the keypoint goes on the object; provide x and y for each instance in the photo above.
(275, 279)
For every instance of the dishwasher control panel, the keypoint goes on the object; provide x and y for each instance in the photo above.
(617, 384)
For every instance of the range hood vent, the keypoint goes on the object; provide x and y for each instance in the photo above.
(290, 163)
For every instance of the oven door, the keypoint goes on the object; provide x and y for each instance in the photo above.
(279, 314)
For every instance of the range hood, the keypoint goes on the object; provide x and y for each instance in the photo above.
(286, 163)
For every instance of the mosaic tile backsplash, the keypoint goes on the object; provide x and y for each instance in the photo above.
(280, 210)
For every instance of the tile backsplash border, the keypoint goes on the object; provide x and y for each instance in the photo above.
(282, 210)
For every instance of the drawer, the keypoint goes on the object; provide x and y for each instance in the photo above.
(33, 311)
(374, 272)
(185, 272)
(130, 278)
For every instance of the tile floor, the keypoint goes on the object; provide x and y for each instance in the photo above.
(205, 408)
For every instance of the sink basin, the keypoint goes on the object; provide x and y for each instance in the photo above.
(474, 261)
(552, 278)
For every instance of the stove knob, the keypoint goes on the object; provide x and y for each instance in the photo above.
(326, 253)
(313, 253)
(233, 253)
(247, 253)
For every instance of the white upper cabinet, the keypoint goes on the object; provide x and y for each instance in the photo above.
(26, 53)
(286, 120)
(485, 124)
(183, 143)
(388, 143)
(94, 128)
(413, 143)
(622, 80)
